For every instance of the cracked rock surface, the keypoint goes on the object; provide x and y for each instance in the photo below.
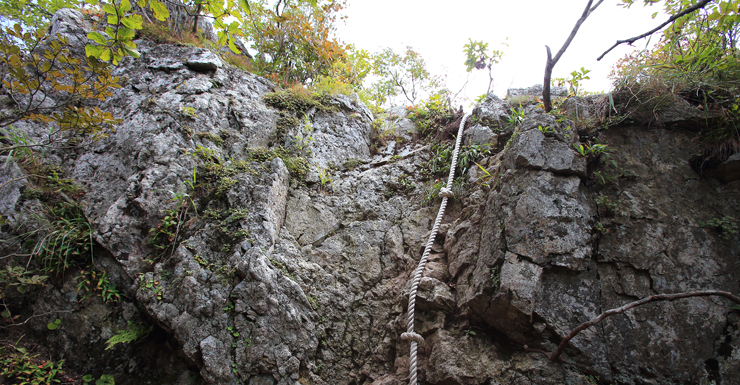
(278, 279)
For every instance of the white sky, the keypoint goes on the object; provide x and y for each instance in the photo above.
(438, 30)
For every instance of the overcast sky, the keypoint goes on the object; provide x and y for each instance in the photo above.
(439, 29)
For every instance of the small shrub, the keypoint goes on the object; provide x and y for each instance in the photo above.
(353, 163)
(725, 226)
(19, 367)
(431, 116)
(94, 282)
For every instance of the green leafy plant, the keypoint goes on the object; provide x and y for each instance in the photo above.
(135, 332)
(496, 277)
(325, 178)
(68, 242)
(574, 82)
(546, 130)
(304, 139)
(189, 112)
(20, 278)
(591, 150)
(431, 116)
(517, 116)
(725, 226)
(54, 325)
(19, 367)
(353, 163)
(105, 379)
(486, 178)
(153, 285)
(93, 282)
(600, 228)
(478, 57)
(606, 206)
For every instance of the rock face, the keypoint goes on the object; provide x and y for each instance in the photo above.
(277, 278)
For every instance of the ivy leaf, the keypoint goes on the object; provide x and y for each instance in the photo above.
(97, 37)
(160, 10)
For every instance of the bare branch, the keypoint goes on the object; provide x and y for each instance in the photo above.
(673, 18)
(552, 61)
(555, 356)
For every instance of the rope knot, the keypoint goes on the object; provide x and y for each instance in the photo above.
(444, 192)
(412, 336)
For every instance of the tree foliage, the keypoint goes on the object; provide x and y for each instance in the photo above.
(397, 74)
(295, 39)
(479, 57)
(697, 55)
(43, 80)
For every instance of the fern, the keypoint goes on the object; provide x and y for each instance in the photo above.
(135, 332)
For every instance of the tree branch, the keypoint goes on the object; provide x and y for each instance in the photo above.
(555, 356)
(673, 18)
(552, 61)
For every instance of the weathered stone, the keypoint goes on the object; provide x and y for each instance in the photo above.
(204, 61)
(280, 282)
(480, 135)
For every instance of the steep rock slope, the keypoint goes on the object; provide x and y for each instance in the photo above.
(279, 276)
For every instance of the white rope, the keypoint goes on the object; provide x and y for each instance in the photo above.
(445, 193)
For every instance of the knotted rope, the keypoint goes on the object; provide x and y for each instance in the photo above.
(444, 193)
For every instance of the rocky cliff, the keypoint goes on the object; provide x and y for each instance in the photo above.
(253, 264)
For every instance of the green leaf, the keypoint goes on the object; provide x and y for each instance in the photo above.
(222, 37)
(233, 48)
(5, 314)
(105, 54)
(92, 2)
(160, 10)
(105, 379)
(126, 33)
(110, 9)
(97, 37)
(112, 19)
(133, 21)
(87, 378)
(93, 50)
(141, 3)
(245, 6)
(125, 6)
(54, 325)
(736, 307)
(132, 52)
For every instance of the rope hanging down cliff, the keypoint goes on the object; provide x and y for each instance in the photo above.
(444, 193)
